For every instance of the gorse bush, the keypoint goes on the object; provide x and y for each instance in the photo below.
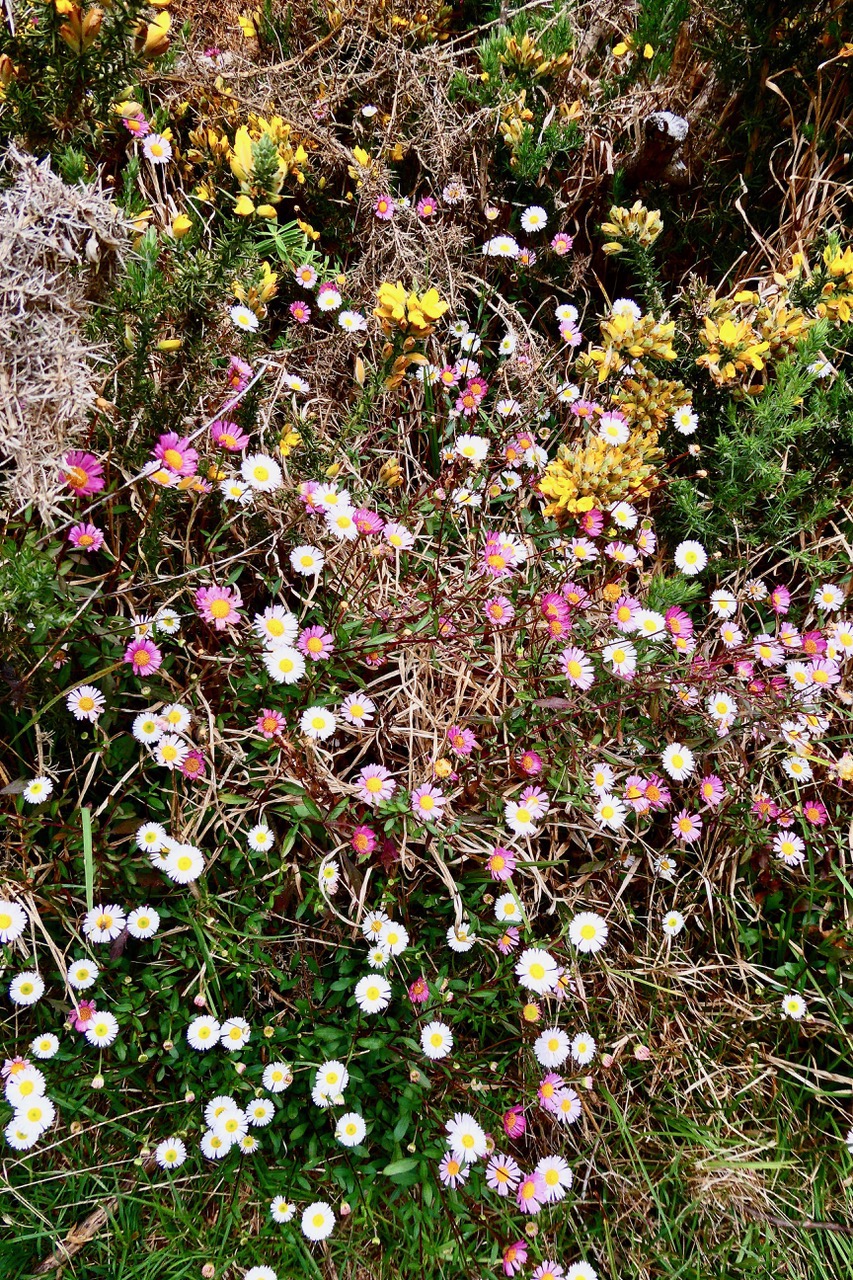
(427, 751)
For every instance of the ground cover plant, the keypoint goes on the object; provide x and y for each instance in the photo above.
(425, 579)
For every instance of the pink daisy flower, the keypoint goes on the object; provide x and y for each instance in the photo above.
(239, 374)
(591, 522)
(193, 765)
(453, 1172)
(813, 644)
(448, 376)
(363, 840)
(646, 542)
(780, 599)
(144, 656)
(467, 403)
(384, 208)
(514, 1257)
(502, 1174)
(530, 762)
(501, 863)
(367, 521)
(83, 473)
(561, 244)
(532, 1193)
(678, 623)
(478, 387)
(549, 1086)
(428, 802)
(227, 435)
(462, 741)
(177, 454)
(499, 611)
(270, 723)
(219, 605)
(419, 991)
(86, 537)
(82, 1015)
(137, 126)
(300, 311)
(634, 794)
(657, 793)
(508, 941)
(315, 643)
(577, 668)
(554, 605)
(548, 1270)
(687, 826)
(624, 613)
(815, 813)
(426, 207)
(711, 790)
(513, 1121)
(375, 784)
(577, 596)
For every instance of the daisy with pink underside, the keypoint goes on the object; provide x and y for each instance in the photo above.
(375, 784)
(315, 643)
(428, 803)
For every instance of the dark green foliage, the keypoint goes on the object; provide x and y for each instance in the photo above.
(776, 464)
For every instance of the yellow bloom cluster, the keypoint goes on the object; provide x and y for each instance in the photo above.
(649, 402)
(637, 223)
(742, 335)
(595, 473)
(515, 122)
(625, 340)
(836, 299)
(526, 55)
(408, 312)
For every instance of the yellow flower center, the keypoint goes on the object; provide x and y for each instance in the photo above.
(174, 459)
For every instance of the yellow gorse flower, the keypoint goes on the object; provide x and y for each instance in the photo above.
(409, 312)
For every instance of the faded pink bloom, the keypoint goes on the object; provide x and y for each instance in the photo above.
(315, 643)
(82, 1015)
(514, 1257)
(462, 741)
(501, 863)
(419, 991)
(562, 243)
(193, 765)
(239, 374)
(508, 941)
(363, 840)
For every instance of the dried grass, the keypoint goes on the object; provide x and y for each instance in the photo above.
(57, 245)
